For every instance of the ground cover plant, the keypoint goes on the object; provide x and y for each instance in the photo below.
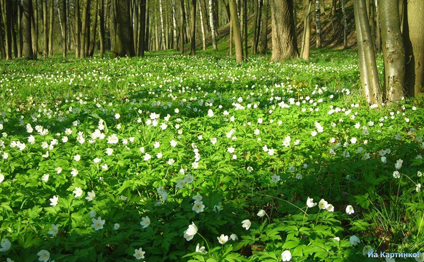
(174, 158)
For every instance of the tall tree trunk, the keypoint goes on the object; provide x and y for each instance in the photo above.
(193, 28)
(85, 28)
(377, 29)
(19, 27)
(283, 30)
(7, 23)
(63, 26)
(231, 38)
(367, 62)
(393, 50)
(182, 27)
(77, 30)
(142, 29)
(45, 29)
(92, 45)
(174, 26)
(236, 31)
(34, 30)
(147, 38)
(414, 39)
(26, 29)
(123, 35)
(255, 27)
(246, 55)
(318, 23)
(202, 26)
(102, 27)
(162, 26)
(306, 38)
(14, 38)
(212, 25)
(264, 29)
(51, 16)
(345, 28)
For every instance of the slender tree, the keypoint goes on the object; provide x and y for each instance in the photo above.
(174, 26)
(306, 38)
(256, 22)
(193, 28)
(236, 31)
(45, 29)
(202, 27)
(102, 27)
(26, 30)
(367, 62)
(162, 26)
(77, 27)
(212, 25)
(51, 23)
(182, 26)
(318, 23)
(142, 29)
(393, 50)
(264, 29)
(345, 28)
(283, 30)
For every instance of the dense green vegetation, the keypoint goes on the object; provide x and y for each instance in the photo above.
(102, 157)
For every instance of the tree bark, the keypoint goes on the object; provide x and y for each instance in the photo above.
(182, 27)
(318, 23)
(245, 32)
(393, 50)
(162, 26)
(345, 28)
(63, 19)
(124, 46)
(414, 39)
(264, 29)
(102, 27)
(212, 25)
(367, 62)
(202, 27)
(77, 30)
(306, 38)
(26, 30)
(142, 29)
(45, 28)
(283, 30)
(7, 23)
(255, 27)
(236, 31)
(174, 26)
(51, 16)
(193, 28)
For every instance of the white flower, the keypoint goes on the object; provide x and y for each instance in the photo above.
(354, 240)
(330, 208)
(286, 142)
(222, 239)
(398, 164)
(92, 213)
(190, 232)
(54, 200)
(45, 177)
(97, 223)
(109, 151)
(5, 245)
(77, 192)
(210, 113)
(214, 140)
(310, 202)
(90, 196)
(171, 161)
(233, 237)
(314, 133)
(418, 188)
(58, 170)
(145, 222)
(74, 172)
(113, 139)
(77, 158)
(197, 198)
(201, 250)
(367, 250)
(419, 174)
(323, 204)
(420, 257)
(116, 226)
(43, 255)
(147, 157)
(198, 207)
(320, 129)
(96, 160)
(275, 178)
(173, 143)
(230, 150)
(54, 230)
(286, 256)
(188, 179)
(396, 174)
(1, 178)
(261, 213)
(246, 224)
(349, 210)
(139, 253)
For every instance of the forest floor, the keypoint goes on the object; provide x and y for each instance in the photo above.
(203, 159)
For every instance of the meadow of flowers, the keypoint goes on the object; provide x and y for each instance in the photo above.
(171, 158)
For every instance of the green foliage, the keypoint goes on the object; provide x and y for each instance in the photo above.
(102, 157)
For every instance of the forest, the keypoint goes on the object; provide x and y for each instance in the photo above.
(211, 130)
